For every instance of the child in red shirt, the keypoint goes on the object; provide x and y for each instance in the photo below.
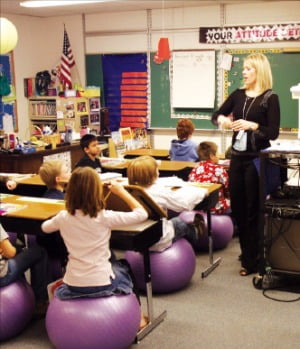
(208, 170)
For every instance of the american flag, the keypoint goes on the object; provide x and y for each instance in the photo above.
(67, 62)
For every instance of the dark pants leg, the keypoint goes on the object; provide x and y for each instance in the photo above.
(184, 230)
(244, 196)
(34, 258)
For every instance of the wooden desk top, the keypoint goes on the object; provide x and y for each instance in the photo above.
(211, 187)
(168, 165)
(163, 165)
(33, 208)
(33, 180)
(156, 153)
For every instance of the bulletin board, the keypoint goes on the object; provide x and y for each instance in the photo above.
(8, 104)
(286, 73)
(162, 114)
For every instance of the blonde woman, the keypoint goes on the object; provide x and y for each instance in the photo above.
(253, 114)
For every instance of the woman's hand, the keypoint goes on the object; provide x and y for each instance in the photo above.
(224, 122)
(242, 124)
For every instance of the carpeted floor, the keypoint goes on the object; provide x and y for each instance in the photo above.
(222, 311)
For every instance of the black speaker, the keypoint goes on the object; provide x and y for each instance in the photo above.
(282, 240)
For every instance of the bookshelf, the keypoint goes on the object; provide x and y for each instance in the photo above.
(60, 113)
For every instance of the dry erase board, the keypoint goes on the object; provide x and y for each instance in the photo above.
(193, 80)
(161, 108)
(286, 73)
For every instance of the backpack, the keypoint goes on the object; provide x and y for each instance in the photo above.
(42, 81)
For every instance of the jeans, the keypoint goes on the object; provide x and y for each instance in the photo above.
(185, 230)
(121, 284)
(35, 258)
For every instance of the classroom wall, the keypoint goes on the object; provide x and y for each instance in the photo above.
(40, 42)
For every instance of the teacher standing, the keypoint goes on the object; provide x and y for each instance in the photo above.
(253, 113)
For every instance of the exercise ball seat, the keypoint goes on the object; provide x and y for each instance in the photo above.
(221, 229)
(107, 322)
(17, 304)
(171, 269)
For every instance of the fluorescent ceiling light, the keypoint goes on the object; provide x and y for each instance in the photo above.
(58, 3)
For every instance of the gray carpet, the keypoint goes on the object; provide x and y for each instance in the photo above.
(221, 311)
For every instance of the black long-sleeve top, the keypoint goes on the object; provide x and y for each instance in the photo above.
(263, 110)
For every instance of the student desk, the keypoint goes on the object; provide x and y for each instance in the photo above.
(160, 154)
(166, 168)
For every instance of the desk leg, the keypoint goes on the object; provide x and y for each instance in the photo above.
(153, 322)
(213, 264)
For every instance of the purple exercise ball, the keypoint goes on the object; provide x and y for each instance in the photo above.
(221, 229)
(171, 269)
(16, 308)
(107, 322)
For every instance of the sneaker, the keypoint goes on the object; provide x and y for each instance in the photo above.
(199, 225)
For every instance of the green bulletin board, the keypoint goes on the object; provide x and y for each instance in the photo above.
(286, 73)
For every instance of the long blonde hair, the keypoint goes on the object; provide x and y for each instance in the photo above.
(85, 192)
(264, 79)
(142, 171)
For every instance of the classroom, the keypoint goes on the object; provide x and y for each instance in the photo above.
(217, 308)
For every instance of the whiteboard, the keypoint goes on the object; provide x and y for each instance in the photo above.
(193, 82)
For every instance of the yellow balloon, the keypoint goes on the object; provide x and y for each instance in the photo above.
(8, 36)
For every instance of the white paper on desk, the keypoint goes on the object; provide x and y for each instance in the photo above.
(171, 181)
(43, 200)
(107, 176)
(111, 161)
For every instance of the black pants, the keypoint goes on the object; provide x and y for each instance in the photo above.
(244, 196)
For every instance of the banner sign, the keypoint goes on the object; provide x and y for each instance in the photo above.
(254, 34)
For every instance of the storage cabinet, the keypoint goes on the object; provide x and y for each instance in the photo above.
(60, 113)
(280, 219)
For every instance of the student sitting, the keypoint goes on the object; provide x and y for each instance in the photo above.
(89, 144)
(55, 174)
(183, 148)
(143, 171)
(86, 226)
(208, 170)
(13, 264)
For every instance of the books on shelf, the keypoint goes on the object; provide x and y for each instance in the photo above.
(29, 87)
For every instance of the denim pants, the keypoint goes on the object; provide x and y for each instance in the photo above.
(121, 284)
(35, 258)
(185, 230)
